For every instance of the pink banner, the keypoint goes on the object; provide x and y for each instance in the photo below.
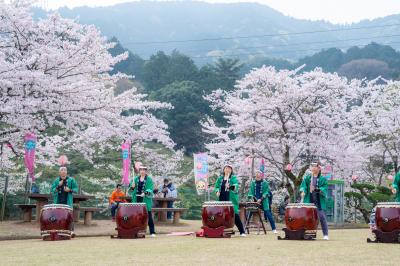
(126, 162)
(29, 156)
(201, 172)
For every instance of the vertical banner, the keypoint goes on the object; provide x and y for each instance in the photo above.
(327, 171)
(126, 162)
(201, 172)
(29, 156)
(262, 167)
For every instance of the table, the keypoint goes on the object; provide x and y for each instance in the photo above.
(77, 198)
(43, 199)
(162, 203)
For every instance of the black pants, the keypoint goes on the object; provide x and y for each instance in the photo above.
(239, 223)
(150, 223)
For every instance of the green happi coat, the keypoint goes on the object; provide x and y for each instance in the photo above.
(233, 194)
(396, 185)
(264, 192)
(322, 185)
(148, 187)
(71, 184)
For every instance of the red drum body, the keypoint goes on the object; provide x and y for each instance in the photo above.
(218, 213)
(131, 220)
(387, 216)
(56, 222)
(300, 216)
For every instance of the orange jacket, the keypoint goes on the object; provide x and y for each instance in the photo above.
(117, 196)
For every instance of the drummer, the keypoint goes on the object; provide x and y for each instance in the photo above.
(259, 190)
(313, 189)
(63, 188)
(396, 186)
(142, 191)
(227, 188)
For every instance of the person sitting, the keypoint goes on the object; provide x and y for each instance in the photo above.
(168, 190)
(117, 196)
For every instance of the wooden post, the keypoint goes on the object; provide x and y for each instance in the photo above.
(88, 218)
(39, 206)
(27, 215)
(3, 205)
(177, 216)
(252, 168)
(26, 189)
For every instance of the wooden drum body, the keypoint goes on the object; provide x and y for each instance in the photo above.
(218, 213)
(299, 216)
(56, 222)
(387, 216)
(131, 220)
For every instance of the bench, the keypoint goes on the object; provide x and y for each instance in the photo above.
(177, 212)
(26, 210)
(88, 214)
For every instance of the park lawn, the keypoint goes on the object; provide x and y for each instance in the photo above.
(346, 247)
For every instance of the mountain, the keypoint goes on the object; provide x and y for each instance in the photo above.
(147, 27)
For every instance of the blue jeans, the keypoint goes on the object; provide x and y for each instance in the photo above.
(114, 207)
(323, 221)
(170, 205)
(268, 216)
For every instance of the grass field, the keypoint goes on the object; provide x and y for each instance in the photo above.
(346, 247)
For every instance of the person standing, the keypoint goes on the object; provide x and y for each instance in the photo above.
(168, 190)
(141, 189)
(396, 186)
(227, 189)
(62, 189)
(314, 189)
(259, 192)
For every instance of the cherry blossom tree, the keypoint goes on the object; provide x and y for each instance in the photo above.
(376, 123)
(286, 118)
(55, 82)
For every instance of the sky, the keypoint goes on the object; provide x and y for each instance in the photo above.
(335, 11)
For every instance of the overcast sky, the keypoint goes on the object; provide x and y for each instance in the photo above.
(336, 11)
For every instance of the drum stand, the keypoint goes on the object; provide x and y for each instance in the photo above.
(219, 232)
(129, 233)
(256, 212)
(298, 235)
(385, 237)
(54, 235)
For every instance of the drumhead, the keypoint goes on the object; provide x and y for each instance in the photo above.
(57, 206)
(301, 205)
(217, 203)
(132, 204)
(388, 205)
